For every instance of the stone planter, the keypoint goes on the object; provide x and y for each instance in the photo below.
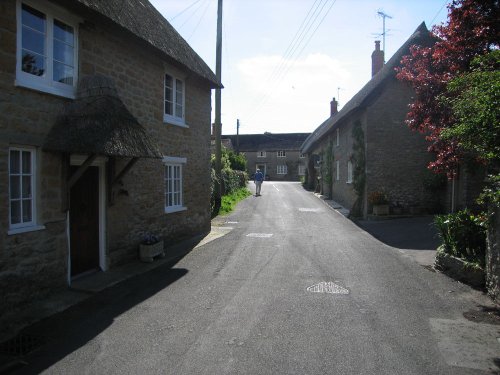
(459, 269)
(148, 252)
(381, 209)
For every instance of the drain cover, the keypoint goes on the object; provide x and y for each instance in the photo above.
(327, 287)
(303, 209)
(260, 235)
(21, 344)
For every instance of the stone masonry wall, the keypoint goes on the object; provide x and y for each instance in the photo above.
(34, 263)
(396, 157)
(271, 161)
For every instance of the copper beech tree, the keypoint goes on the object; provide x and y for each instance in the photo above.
(471, 31)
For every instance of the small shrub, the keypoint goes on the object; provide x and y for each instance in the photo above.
(463, 235)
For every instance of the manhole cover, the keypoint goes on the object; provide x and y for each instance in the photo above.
(260, 235)
(303, 209)
(21, 344)
(327, 287)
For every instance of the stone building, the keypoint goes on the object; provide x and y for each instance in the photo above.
(367, 144)
(276, 155)
(104, 138)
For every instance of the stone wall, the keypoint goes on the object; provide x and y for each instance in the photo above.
(396, 157)
(34, 263)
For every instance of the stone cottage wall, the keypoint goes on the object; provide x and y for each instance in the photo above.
(140, 203)
(34, 263)
(396, 157)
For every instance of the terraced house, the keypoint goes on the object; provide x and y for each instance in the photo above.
(104, 137)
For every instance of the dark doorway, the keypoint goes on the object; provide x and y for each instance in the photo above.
(84, 222)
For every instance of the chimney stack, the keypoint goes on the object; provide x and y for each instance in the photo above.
(333, 107)
(377, 58)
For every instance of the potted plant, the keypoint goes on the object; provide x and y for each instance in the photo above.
(379, 202)
(150, 247)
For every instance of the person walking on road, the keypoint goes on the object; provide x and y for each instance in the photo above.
(259, 177)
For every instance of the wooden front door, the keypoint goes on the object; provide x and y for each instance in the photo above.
(84, 222)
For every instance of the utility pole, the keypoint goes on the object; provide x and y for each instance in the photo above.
(384, 16)
(218, 125)
(237, 136)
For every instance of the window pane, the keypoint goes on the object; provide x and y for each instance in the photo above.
(33, 41)
(63, 53)
(178, 110)
(26, 187)
(15, 212)
(33, 18)
(26, 210)
(15, 165)
(33, 63)
(168, 81)
(63, 73)
(63, 32)
(15, 187)
(26, 162)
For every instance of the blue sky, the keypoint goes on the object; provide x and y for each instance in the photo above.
(284, 60)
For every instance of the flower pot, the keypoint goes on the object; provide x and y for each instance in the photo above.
(381, 209)
(148, 252)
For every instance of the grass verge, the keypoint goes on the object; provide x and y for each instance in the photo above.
(229, 201)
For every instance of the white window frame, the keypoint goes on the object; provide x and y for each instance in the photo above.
(302, 170)
(174, 162)
(281, 169)
(261, 154)
(45, 83)
(302, 156)
(338, 137)
(172, 119)
(32, 225)
(337, 170)
(281, 154)
(349, 172)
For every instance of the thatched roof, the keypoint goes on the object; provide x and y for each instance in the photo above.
(421, 36)
(98, 122)
(268, 141)
(144, 21)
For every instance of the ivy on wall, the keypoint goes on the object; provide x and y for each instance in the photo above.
(358, 160)
(327, 166)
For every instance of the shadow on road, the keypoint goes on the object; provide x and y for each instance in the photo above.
(71, 329)
(416, 233)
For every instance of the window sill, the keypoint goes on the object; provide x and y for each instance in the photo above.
(349, 182)
(169, 210)
(29, 84)
(25, 229)
(174, 121)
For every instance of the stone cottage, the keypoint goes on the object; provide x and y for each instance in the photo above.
(366, 149)
(104, 138)
(277, 155)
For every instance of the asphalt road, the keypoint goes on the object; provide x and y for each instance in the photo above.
(292, 288)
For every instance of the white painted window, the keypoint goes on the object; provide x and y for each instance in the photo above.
(261, 154)
(174, 184)
(302, 170)
(282, 169)
(21, 188)
(349, 172)
(47, 53)
(302, 156)
(337, 170)
(281, 154)
(174, 101)
(338, 137)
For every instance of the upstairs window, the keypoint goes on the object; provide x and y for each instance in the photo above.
(338, 137)
(261, 154)
(174, 101)
(46, 51)
(281, 154)
(302, 156)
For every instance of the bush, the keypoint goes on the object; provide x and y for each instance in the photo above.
(463, 235)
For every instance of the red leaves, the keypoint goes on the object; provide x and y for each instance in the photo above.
(470, 31)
